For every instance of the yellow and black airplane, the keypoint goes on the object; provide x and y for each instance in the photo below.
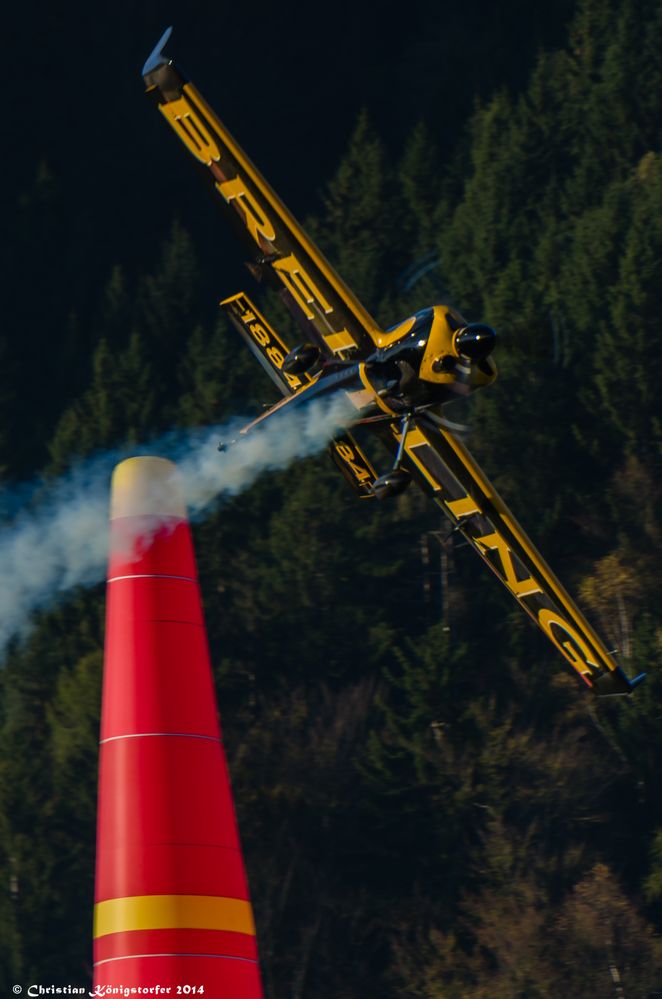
(398, 379)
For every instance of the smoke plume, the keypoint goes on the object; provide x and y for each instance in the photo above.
(55, 536)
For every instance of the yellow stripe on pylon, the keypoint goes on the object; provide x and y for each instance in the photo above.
(162, 912)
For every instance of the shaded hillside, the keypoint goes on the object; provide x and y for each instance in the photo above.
(430, 805)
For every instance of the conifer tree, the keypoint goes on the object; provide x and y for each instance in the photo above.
(628, 365)
(118, 408)
(359, 225)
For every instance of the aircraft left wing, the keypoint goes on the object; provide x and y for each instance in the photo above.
(281, 254)
(444, 469)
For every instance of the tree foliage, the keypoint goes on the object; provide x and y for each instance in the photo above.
(429, 806)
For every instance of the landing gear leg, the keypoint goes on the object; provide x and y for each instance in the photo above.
(404, 430)
(397, 480)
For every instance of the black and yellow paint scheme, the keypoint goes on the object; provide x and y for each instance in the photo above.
(398, 380)
(269, 348)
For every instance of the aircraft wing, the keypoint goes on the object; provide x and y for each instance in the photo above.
(280, 253)
(445, 469)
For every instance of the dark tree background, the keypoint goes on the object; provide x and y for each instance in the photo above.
(429, 805)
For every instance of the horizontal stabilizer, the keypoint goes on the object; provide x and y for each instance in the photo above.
(265, 343)
(354, 465)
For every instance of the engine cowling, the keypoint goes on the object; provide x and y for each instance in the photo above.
(475, 341)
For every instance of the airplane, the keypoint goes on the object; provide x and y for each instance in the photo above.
(397, 379)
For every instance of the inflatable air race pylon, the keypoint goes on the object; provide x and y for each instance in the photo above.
(171, 902)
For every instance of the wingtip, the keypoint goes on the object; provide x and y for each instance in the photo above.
(616, 682)
(156, 57)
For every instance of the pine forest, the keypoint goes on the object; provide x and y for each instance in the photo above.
(430, 804)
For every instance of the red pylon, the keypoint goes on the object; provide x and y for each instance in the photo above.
(172, 906)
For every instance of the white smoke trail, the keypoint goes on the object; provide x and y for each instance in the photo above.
(59, 539)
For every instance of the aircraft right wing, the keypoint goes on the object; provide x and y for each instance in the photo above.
(445, 470)
(281, 254)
